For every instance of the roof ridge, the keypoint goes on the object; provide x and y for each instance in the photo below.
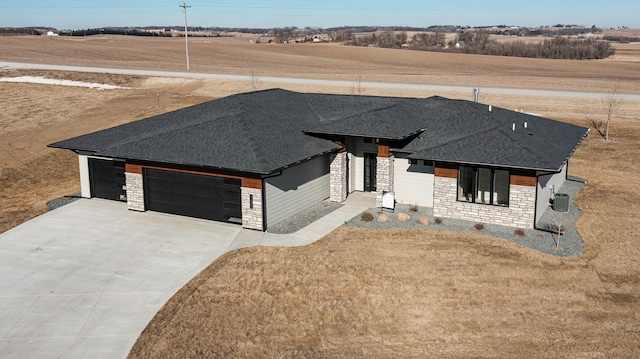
(252, 143)
(151, 134)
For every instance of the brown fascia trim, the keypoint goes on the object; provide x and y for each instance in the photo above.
(247, 182)
(384, 150)
(446, 169)
(523, 180)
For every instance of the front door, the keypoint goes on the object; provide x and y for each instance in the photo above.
(370, 170)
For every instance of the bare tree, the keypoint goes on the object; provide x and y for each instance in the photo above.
(559, 223)
(356, 88)
(611, 104)
(254, 81)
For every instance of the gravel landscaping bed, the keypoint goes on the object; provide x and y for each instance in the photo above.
(61, 201)
(541, 239)
(304, 218)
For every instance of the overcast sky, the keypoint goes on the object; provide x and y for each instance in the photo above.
(79, 14)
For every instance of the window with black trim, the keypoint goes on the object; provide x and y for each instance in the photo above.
(483, 185)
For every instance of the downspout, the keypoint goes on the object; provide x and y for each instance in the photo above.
(264, 206)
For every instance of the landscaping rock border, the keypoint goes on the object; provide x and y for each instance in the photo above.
(542, 239)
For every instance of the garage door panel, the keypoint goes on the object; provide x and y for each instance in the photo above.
(107, 179)
(193, 195)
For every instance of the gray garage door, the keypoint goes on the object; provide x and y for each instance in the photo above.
(193, 195)
(107, 179)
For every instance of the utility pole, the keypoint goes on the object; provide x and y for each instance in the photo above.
(184, 7)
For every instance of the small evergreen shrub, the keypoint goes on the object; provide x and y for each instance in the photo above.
(366, 217)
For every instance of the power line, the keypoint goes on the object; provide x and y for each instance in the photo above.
(184, 7)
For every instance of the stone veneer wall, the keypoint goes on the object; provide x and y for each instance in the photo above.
(338, 180)
(384, 177)
(252, 217)
(135, 191)
(520, 213)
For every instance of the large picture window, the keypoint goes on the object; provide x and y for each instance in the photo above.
(483, 185)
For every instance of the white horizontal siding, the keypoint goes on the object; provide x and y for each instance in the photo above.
(358, 173)
(413, 184)
(298, 187)
(547, 185)
(351, 169)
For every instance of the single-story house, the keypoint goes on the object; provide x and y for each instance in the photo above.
(258, 158)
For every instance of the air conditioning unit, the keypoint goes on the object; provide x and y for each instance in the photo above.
(561, 202)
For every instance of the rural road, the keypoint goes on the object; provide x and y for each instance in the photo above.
(320, 82)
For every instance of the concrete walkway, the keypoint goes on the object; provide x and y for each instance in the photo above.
(84, 280)
(354, 205)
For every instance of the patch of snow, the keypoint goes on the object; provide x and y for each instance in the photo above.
(46, 81)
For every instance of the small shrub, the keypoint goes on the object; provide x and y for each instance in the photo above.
(519, 233)
(479, 226)
(413, 207)
(438, 220)
(366, 217)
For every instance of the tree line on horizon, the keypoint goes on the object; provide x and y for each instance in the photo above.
(480, 43)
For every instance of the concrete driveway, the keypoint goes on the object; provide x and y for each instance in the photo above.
(84, 280)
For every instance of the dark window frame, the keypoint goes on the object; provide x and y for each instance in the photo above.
(475, 184)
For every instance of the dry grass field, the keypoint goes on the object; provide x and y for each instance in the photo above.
(357, 293)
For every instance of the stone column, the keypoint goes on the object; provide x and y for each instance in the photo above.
(252, 208)
(135, 191)
(384, 177)
(338, 177)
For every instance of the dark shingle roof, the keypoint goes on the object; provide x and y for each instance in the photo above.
(392, 119)
(258, 132)
(263, 132)
(488, 138)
